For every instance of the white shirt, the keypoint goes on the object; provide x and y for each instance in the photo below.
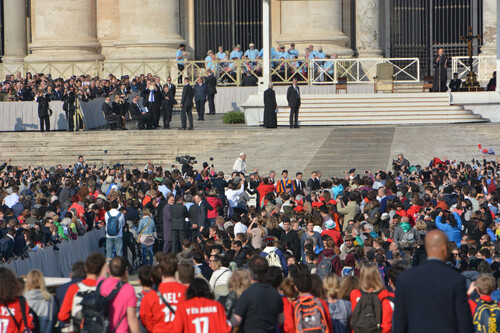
(115, 212)
(233, 196)
(220, 277)
(240, 228)
(11, 200)
(240, 166)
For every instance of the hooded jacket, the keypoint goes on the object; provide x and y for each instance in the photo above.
(45, 310)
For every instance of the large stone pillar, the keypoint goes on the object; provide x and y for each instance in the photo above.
(321, 26)
(64, 31)
(149, 29)
(367, 28)
(15, 31)
(489, 47)
(108, 25)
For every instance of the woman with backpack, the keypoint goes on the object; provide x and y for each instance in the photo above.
(17, 317)
(371, 303)
(145, 236)
(40, 301)
(340, 310)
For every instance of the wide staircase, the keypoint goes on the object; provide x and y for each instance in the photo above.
(107, 148)
(379, 109)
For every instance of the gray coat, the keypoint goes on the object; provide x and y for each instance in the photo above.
(45, 310)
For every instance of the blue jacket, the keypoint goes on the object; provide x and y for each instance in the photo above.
(143, 225)
(454, 234)
(7, 247)
(200, 92)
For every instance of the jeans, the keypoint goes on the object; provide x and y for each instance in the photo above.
(145, 251)
(115, 243)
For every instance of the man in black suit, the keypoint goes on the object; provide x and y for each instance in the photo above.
(200, 97)
(57, 94)
(300, 185)
(432, 296)
(187, 105)
(203, 208)
(211, 83)
(270, 108)
(313, 183)
(178, 213)
(142, 116)
(169, 102)
(152, 99)
(111, 118)
(455, 83)
(293, 98)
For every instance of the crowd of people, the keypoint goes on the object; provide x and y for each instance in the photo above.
(412, 249)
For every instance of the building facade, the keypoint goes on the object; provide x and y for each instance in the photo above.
(45, 31)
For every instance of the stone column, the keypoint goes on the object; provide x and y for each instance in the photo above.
(322, 26)
(64, 31)
(149, 29)
(367, 28)
(108, 25)
(15, 31)
(489, 28)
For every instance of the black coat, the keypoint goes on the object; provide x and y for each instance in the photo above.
(203, 209)
(135, 109)
(57, 96)
(178, 213)
(431, 298)
(187, 96)
(43, 106)
(292, 97)
(107, 109)
(270, 105)
(158, 96)
(211, 83)
(200, 92)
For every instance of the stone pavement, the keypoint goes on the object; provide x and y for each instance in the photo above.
(330, 149)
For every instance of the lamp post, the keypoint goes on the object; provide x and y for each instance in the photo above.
(266, 33)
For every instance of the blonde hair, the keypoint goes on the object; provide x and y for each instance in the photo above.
(35, 280)
(369, 279)
(331, 284)
(272, 223)
(146, 212)
(216, 264)
(239, 282)
(420, 225)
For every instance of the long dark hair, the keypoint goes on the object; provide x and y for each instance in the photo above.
(199, 288)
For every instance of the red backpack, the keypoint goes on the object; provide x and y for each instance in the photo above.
(309, 315)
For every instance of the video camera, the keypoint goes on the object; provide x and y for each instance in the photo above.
(186, 159)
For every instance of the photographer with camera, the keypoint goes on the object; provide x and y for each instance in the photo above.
(400, 164)
(44, 112)
(187, 162)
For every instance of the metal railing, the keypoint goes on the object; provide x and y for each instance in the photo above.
(483, 66)
(233, 72)
(362, 70)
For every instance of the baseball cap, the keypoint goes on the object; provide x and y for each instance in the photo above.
(251, 44)
(398, 178)
(352, 170)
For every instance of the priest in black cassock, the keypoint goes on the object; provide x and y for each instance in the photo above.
(440, 63)
(270, 108)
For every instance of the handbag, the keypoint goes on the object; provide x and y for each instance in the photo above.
(139, 236)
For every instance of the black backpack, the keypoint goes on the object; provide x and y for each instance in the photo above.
(95, 310)
(367, 315)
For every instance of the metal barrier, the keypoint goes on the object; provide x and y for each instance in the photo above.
(363, 70)
(483, 66)
(233, 72)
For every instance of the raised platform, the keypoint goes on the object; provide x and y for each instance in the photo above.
(367, 109)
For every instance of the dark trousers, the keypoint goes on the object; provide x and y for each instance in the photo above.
(187, 110)
(200, 107)
(112, 120)
(180, 67)
(70, 117)
(154, 109)
(177, 238)
(145, 121)
(44, 121)
(167, 114)
(294, 116)
(211, 104)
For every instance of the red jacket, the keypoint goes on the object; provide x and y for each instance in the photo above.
(387, 307)
(263, 190)
(215, 203)
(412, 213)
(289, 325)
